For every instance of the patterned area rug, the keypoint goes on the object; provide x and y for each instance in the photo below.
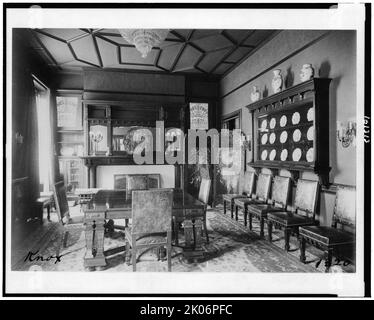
(232, 248)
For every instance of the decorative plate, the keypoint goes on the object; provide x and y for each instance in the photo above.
(284, 154)
(272, 154)
(264, 123)
(283, 121)
(310, 133)
(264, 138)
(296, 154)
(272, 138)
(296, 135)
(272, 123)
(309, 155)
(296, 118)
(310, 115)
(264, 155)
(283, 137)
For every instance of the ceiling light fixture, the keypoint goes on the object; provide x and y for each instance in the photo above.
(144, 39)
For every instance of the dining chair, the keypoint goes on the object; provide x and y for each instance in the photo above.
(62, 208)
(340, 235)
(151, 217)
(260, 196)
(247, 189)
(136, 182)
(301, 214)
(280, 190)
(204, 198)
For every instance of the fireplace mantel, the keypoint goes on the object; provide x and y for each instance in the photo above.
(92, 161)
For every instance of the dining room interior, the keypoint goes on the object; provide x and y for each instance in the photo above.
(105, 123)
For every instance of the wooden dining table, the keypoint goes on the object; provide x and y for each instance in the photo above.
(109, 205)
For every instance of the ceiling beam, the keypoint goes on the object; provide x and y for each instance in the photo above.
(97, 51)
(231, 51)
(176, 60)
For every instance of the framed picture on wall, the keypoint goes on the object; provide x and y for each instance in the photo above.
(199, 116)
(69, 113)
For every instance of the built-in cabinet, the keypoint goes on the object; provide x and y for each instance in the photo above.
(70, 139)
(291, 129)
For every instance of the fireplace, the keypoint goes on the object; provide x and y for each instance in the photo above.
(105, 174)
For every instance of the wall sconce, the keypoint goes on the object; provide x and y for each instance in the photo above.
(346, 134)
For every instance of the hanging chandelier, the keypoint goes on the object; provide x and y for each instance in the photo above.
(144, 39)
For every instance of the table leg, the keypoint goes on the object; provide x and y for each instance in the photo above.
(94, 234)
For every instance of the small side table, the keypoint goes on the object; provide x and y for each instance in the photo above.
(46, 201)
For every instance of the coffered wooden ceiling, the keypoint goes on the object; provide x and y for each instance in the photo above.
(201, 51)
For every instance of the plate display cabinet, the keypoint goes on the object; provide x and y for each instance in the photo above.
(291, 129)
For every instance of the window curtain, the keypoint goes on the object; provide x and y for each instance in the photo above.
(25, 162)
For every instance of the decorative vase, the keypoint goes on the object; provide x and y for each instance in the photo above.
(255, 95)
(277, 81)
(307, 72)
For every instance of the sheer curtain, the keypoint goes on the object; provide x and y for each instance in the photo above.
(42, 95)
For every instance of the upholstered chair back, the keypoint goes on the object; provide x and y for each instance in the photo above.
(306, 197)
(248, 183)
(204, 190)
(136, 182)
(263, 186)
(280, 191)
(151, 211)
(345, 206)
(61, 200)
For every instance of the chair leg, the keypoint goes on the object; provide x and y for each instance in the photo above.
(302, 249)
(65, 238)
(232, 210)
(245, 216)
(168, 248)
(328, 259)
(236, 212)
(224, 207)
(270, 230)
(206, 229)
(133, 253)
(127, 253)
(287, 239)
(249, 217)
(262, 222)
(176, 230)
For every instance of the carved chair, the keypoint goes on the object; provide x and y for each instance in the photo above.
(261, 196)
(332, 239)
(62, 208)
(279, 196)
(151, 217)
(136, 182)
(302, 214)
(248, 184)
(204, 197)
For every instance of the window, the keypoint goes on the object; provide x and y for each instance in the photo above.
(42, 96)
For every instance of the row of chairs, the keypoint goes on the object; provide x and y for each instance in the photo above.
(299, 219)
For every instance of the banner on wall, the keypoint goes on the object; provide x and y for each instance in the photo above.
(199, 116)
